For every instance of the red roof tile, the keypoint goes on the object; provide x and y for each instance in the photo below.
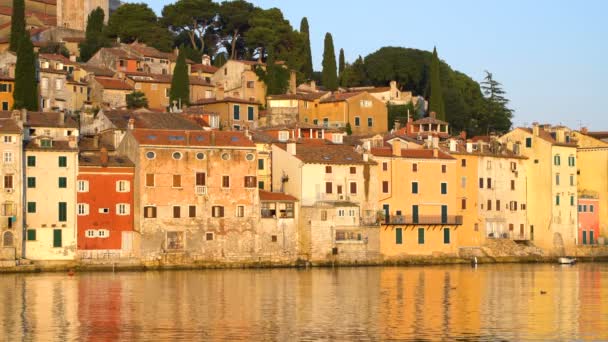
(192, 138)
(224, 100)
(410, 153)
(210, 69)
(112, 83)
(337, 97)
(313, 153)
(276, 196)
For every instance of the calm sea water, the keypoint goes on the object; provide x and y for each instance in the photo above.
(491, 302)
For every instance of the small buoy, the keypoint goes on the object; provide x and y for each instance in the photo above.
(543, 292)
(70, 272)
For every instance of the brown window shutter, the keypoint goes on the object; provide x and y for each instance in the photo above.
(176, 212)
(353, 188)
(150, 179)
(192, 211)
(177, 181)
(201, 179)
(328, 187)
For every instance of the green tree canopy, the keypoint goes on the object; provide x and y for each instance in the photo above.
(496, 115)
(354, 74)
(234, 22)
(94, 38)
(268, 28)
(341, 67)
(25, 94)
(307, 54)
(17, 24)
(192, 17)
(275, 76)
(180, 83)
(136, 21)
(137, 99)
(330, 72)
(436, 103)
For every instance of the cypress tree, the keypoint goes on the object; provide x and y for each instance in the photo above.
(17, 24)
(341, 66)
(329, 76)
(436, 103)
(180, 83)
(307, 65)
(25, 94)
(94, 37)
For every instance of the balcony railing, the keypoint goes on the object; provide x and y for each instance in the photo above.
(423, 219)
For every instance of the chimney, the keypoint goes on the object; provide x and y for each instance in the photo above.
(365, 157)
(24, 115)
(396, 147)
(206, 60)
(435, 141)
(469, 147)
(72, 58)
(176, 51)
(435, 153)
(96, 141)
(61, 118)
(397, 125)
(131, 124)
(433, 115)
(452, 145)
(292, 82)
(463, 135)
(103, 157)
(393, 85)
(313, 85)
(367, 145)
(72, 142)
(219, 93)
(584, 130)
(291, 148)
(535, 129)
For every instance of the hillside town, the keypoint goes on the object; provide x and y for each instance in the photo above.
(235, 175)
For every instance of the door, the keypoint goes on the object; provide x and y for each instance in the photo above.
(591, 237)
(584, 237)
(127, 242)
(444, 214)
(386, 213)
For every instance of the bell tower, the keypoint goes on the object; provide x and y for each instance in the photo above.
(73, 14)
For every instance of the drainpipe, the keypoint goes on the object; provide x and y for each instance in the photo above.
(23, 201)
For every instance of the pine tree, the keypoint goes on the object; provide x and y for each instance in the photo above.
(276, 77)
(496, 115)
(436, 103)
(17, 24)
(180, 83)
(341, 66)
(307, 65)
(25, 94)
(94, 37)
(329, 77)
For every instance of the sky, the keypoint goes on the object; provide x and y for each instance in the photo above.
(549, 55)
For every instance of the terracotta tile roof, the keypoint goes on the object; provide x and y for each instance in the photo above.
(58, 145)
(96, 70)
(56, 57)
(73, 39)
(192, 138)
(149, 51)
(9, 126)
(312, 153)
(112, 83)
(87, 143)
(276, 196)
(150, 120)
(337, 97)
(122, 53)
(378, 89)
(410, 153)
(429, 120)
(545, 135)
(195, 80)
(6, 78)
(113, 161)
(305, 96)
(46, 119)
(210, 69)
(224, 100)
(53, 71)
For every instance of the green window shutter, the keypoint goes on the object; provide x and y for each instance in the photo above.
(236, 112)
(446, 235)
(414, 187)
(31, 235)
(584, 237)
(63, 182)
(444, 188)
(250, 113)
(261, 185)
(557, 200)
(591, 237)
(398, 236)
(31, 207)
(421, 236)
(572, 200)
(528, 142)
(444, 214)
(260, 164)
(63, 161)
(415, 214)
(63, 211)
(31, 182)
(57, 238)
(31, 161)
(591, 208)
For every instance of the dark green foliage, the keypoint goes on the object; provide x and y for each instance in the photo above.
(329, 77)
(307, 54)
(192, 17)
(341, 66)
(234, 22)
(180, 83)
(137, 99)
(496, 116)
(17, 24)
(94, 38)
(276, 77)
(25, 94)
(54, 47)
(220, 59)
(354, 75)
(400, 113)
(132, 22)
(348, 129)
(268, 28)
(436, 103)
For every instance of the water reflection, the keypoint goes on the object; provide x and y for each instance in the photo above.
(492, 302)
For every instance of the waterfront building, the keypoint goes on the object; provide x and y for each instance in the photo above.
(336, 186)
(11, 210)
(418, 197)
(104, 206)
(551, 185)
(588, 220)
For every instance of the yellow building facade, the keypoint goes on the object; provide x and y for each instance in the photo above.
(7, 86)
(365, 113)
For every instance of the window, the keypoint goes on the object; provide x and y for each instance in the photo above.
(90, 233)
(44, 83)
(8, 157)
(446, 236)
(591, 208)
(261, 185)
(497, 205)
(283, 136)
(192, 211)
(444, 188)
(167, 91)
(225, 156)
(571, 180)
(63, 161)
(398, 236)
(489, 205)
(414, 187)
(217, 211)
(288, 212)
(572, 201)
(415, 167)
(46, 142)
(4, 105)
(149, 179)
(357, 121)
(463, 162)
(8, 181)
(250, 116)
(149, 212)
(177, 181)
(58, 84)
(353, 188)
(31, 182)
(463, 204)
(209, 236)
(385, 187)
(557, 200)
(384, 166)
(523, 206)
(556, 160)
(31, 235)
(123, 209)
(175, 240)
(260, 164)
(150, 155)
(250, 84)
(528, 142)
(103, 210)
(250, 181)
(240, 211)
(177, 155)
(123, 186)
(328, 187)
(200, 156)
(57, 238)
(6, 88)
(444, 168)
(323, 215)
(370, 122)
(201, 179)
(481, 183)
(82, 186)
(328, 169)
(571, 161)
(421, 236)
(31, 207)
(341, 213)
(557, 179)
(236, 112)
(63, 182)
(176, 211)
(353, 170)
(83, 209)
(31, 161)
(365, 103)
(63, 212)
(512, 184)
(225, 181)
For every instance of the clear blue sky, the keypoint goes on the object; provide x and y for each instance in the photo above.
(550, 55)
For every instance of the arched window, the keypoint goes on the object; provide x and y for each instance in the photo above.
(7, 239)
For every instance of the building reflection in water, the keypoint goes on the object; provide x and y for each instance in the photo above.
(491, 302)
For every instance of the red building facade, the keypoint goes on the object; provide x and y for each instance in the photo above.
(105, 204)
(588, 221)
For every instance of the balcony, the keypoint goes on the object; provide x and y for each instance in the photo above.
(450, 220)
